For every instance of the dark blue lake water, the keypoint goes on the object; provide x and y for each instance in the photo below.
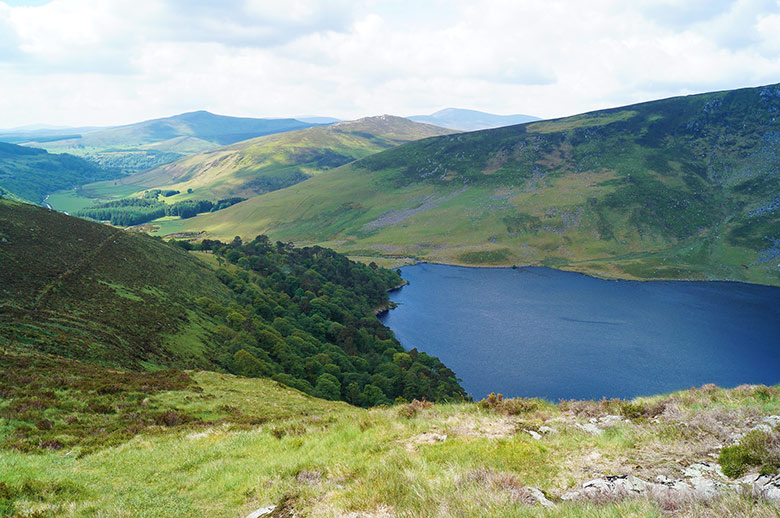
(552, 334)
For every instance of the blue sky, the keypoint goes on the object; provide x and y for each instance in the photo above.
(85, 62)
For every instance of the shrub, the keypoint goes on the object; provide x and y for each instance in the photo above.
(512, 406)
(757, 448)
(410, 410)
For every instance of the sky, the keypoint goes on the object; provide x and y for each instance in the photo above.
(108, 62)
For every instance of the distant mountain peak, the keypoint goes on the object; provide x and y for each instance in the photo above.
(471, 120)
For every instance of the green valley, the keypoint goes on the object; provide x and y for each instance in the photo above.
(31, 174)
(683, 188)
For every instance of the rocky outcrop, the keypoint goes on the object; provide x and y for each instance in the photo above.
(700, 481)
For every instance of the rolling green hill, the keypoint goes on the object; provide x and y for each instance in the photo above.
(147, 144)
(31, 174)
(305, 317)
(683, 188)
(276, 161)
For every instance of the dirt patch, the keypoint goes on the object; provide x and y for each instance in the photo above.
(424, 439)
(394, 217)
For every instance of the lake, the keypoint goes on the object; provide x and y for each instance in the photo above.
(537, 332)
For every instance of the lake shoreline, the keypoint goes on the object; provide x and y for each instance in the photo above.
(586, 273)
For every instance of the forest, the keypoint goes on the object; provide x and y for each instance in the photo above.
(136, 211)
(306, 318)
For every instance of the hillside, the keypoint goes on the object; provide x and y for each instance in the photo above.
(173, 444)
(31, 174)
(83, 290)
(139, 146)
(683, 188)
(470, 120)
(305, 317)
(276, 161)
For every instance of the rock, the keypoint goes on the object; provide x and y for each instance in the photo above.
(538, 495)
(611, 420)
(590, 428)
(698, 469)
(534, 434)
(264, 511)
(629, 486)
(772, 420)
(766, 486)
(609, 487)
(547, 430)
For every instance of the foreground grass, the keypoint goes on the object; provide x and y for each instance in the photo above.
(251, 443)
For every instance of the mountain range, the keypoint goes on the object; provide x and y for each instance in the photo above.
(273, 162)
(683, 188)
(146, 144)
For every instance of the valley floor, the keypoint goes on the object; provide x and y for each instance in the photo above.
(252, 444)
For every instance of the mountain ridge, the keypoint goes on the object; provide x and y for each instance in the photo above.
(271, 162)
(141, 145)
(681, 188)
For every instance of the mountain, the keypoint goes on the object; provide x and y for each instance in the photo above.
(303, 316)
(318, 120)
(471, 120)
(31, 174)
(142, 145)
(42, 133)
(275, 161)
(682, 188)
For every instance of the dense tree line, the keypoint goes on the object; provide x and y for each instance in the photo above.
(136, 211)
(305, 317)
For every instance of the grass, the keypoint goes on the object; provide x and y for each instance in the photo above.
(249, 443)
(69, 201)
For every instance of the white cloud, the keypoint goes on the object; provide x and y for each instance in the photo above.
(85, 62)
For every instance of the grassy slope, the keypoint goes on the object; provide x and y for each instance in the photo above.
(30, 174)
(272, 162)
(138, 146)
(85, 290)
(682, 188)
(216, 445)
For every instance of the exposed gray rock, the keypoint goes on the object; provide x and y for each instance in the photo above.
(537, 495)
(610, 487)
(547, 430)
(772, 420)
(766, 486)
(264, 511)
(533, 434)
(590, 428)
(696, 486)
